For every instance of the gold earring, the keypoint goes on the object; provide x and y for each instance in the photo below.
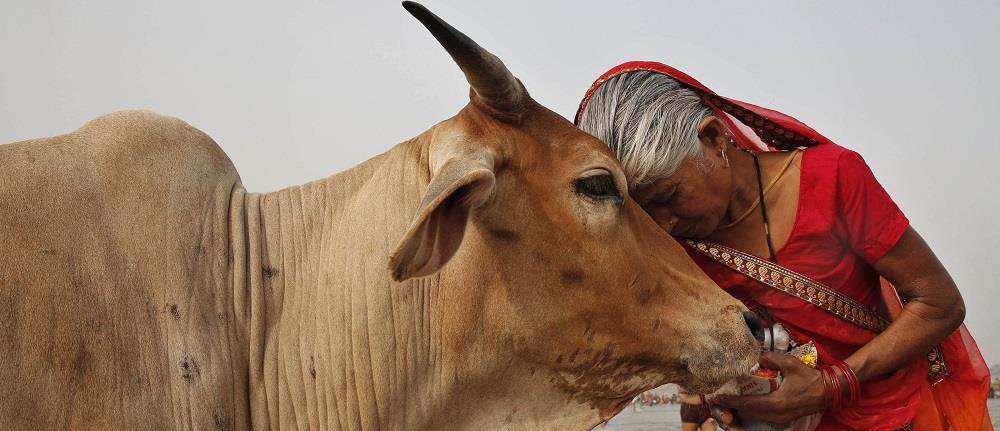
(725, 159)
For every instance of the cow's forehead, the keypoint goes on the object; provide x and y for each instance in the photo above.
(560, 136)
(535, 135)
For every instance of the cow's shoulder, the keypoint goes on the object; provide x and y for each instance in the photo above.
(155, 143)
(115, 240)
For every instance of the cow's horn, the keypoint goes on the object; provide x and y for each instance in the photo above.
(487, 75)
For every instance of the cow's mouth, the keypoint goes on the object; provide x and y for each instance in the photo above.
(708, 373)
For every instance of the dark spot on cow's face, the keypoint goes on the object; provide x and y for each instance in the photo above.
(81, 360)
(312, 368)
(645, 293)
(96, 326)
(221, 423)
(508, 343)
(504, 235)
(571, 276)
(188, 367)
(174, 312)
(656, 324)
(269, 272)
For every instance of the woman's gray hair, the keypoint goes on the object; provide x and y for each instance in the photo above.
(649, 120)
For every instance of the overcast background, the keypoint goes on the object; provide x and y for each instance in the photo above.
(297, 90)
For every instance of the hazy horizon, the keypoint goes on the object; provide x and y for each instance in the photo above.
(295, 91)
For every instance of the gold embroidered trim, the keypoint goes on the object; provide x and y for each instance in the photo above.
(769, 132)
(793, 284)
(806, 289)
(937, 370)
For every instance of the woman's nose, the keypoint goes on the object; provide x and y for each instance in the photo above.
(664, 218)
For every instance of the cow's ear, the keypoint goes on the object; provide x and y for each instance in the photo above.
(460, 184)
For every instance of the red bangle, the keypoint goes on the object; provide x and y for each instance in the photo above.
(827, 390)
(852, 380)
(838, 394)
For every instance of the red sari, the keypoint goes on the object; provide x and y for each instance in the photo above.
(844, 223)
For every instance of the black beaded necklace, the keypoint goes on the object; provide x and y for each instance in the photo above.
(763, 208)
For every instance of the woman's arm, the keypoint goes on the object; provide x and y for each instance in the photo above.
(932, 309)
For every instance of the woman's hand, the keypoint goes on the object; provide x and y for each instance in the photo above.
(800, 393)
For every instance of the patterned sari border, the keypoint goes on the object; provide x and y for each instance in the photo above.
(792, 283)
(804, 288)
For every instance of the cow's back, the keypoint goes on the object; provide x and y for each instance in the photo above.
(115, 280)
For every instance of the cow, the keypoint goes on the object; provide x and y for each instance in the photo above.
(490, 273)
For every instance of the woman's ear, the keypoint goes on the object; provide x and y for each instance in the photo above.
(712, 133)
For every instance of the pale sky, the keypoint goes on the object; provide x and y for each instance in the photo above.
(297, 90)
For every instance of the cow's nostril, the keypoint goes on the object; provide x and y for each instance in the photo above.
(753, 322)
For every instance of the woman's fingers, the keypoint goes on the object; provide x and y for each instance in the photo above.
(749, 403)
(779, 361)
(800, 393)
(770, 407)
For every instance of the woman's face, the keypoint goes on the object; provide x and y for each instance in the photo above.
(692, 202)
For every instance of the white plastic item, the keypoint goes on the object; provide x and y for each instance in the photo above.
(781, 338)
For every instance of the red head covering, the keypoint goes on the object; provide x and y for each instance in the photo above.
(752, 126)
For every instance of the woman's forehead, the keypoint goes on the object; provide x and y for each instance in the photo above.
(658, 186)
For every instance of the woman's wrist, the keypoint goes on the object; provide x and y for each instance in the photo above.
(858, 364)
(852, 384)
(841, 386)
(827, 404)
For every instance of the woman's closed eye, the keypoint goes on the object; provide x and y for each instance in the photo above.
(664, 198)
(600, 187)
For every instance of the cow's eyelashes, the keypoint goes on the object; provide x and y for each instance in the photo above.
(600, 186)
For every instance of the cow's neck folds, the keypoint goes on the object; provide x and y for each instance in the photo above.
(329, 342)
(334, 344)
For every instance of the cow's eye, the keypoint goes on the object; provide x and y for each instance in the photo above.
(600, 186)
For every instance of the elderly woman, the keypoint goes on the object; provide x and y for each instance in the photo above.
(808, 232)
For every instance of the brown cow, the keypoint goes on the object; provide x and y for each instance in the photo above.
(142, 287)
